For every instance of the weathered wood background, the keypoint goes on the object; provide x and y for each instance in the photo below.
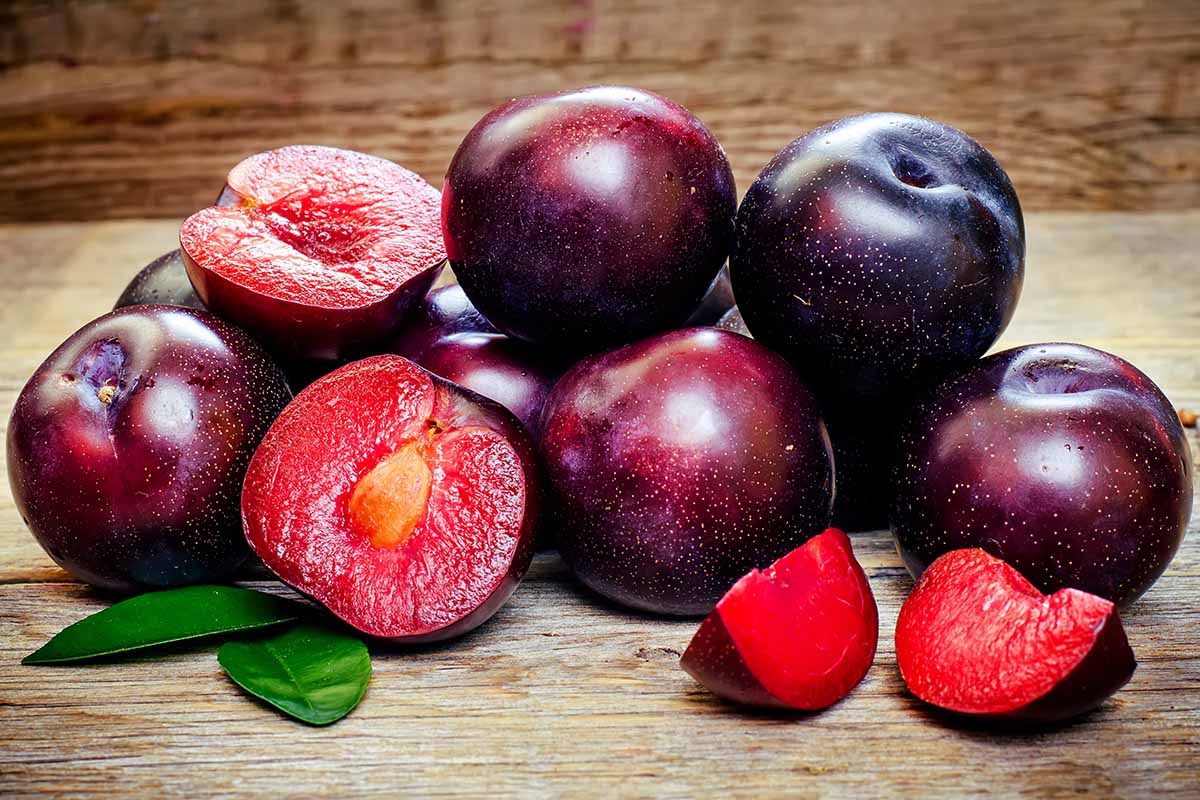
(113, 110)
(136, 108)
(560, 695)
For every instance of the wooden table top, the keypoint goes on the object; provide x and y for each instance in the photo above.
(558, 694)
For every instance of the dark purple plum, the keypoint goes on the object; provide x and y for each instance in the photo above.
(127, 447)
(444, 312)
(588, 218)
(716, 303)
(163, 281)
(498, 367)
(681, 462)
(1066, 462)
(879, 252)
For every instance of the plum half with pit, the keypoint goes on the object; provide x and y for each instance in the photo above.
(163, 281)
(402, 502)
(319, 252)
(878, 250)
(679, 463)
(976, 638)
(127, 447)
(1065, 461)
(586, 219)
(798, 635)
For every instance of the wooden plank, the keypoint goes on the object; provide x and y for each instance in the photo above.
(116, 109)
(561, 695)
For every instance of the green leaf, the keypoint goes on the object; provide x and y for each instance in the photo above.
(312, 673)
(162, 617)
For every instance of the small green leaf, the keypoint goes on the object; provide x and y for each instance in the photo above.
(162, 617)
(312, 673)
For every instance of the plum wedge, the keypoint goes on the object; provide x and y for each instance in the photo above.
(975, 637)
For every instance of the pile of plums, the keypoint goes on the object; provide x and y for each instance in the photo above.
(588, 384)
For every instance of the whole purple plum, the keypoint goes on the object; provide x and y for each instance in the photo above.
(1066, 462)
(444, 312)
(164, 280)
(498, 367)
(588, 218)
(127, 447)
(679, 463)
(877, 252)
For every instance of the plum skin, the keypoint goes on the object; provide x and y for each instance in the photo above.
(586, 219)
(127, 447)
(163, 281)
(498, 367)
(443, 312)
(877, 250)
(1065, 461)
(679, 463)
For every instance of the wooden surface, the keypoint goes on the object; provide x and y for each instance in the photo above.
(125, 108)
(559, 694)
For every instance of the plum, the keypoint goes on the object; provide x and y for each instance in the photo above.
(127, 447)
(799, 635)
(402, 502)
(317, 251)
(678, 463)
(877, 251)
(444, 312)
(1065, 461)
(498, 367)
(976, 638)
(586, 219)
(163, 281)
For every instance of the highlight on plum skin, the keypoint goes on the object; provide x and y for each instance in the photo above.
(976, 638)
(798, 635)
(405, 504)
(319, 252)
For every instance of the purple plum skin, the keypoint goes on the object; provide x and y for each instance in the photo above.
(497, 367)
(142, 491)
(1065, 461)
(163, 281)
(590, 218)
(679, 463)
(878, 253)
(444, 312)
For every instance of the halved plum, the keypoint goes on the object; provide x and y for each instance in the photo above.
(799, 635)
(402, 502)
(318, 251)
(975, 637)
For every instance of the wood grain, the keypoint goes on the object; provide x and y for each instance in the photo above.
(128, 108)
(560, 695)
